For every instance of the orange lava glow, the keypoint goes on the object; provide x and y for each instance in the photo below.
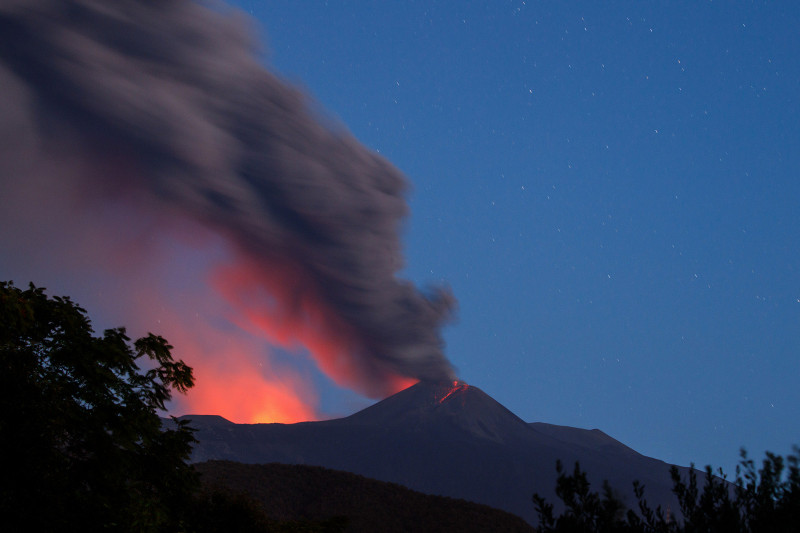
(235, 376)
(226, 335)
(246, 397)
(282, 305)
(153, 269)
(455, 387)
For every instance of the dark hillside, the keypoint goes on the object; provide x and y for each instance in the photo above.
(447, 438)
(312, 493)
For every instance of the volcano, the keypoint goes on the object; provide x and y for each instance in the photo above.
(443, 438)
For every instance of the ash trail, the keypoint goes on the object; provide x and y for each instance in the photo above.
(170, 101)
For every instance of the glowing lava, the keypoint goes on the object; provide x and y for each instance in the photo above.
(455, 386)
(194, 193)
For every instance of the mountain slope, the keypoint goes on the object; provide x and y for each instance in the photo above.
(312, 493)
(446, 439)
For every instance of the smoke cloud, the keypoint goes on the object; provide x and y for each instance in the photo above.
(128, 119)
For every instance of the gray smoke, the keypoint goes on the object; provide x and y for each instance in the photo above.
(177, 88)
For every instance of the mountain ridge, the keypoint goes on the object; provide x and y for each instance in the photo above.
(442, 438)
(303, 493)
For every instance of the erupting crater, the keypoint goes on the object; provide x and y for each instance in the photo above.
(452, 388)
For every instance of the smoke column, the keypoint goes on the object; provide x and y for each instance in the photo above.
(132, 122)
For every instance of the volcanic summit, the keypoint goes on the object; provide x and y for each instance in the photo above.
(446, 438)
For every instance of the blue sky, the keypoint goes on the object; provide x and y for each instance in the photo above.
(611, 190)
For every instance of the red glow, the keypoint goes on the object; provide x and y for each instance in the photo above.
(456, 386)
(235, 374)
(236, 379)
(281, 303)
(157, 266)
(136, 263)
(246, 397)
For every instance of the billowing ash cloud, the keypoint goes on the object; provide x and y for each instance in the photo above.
(170, 101)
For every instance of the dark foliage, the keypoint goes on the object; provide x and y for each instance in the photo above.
(222, 510)
(82, 447)
(763, 501)
(320, 499)
(81, 443)
(585, 510)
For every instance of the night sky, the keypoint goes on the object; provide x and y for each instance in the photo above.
(610, 191)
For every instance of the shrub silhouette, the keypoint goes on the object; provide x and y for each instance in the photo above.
(81, 443)
(763, 501)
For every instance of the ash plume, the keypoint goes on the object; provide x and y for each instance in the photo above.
(169, 101)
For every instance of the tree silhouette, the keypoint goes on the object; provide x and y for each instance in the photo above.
(81, 444)
(763, 501)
